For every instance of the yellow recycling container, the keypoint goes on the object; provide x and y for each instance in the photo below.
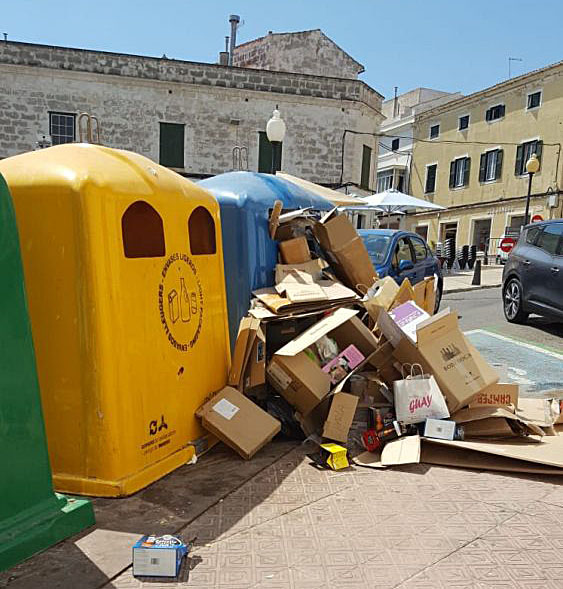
(123, 267)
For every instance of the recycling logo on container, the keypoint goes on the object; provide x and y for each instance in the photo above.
(180, 301)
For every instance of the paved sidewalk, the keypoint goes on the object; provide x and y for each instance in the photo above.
(491, 276)
(416, 527)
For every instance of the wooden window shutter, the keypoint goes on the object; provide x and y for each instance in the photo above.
(366, 167)
(502, 110)
(498, 169)
(466, 170)
(518, 164)
(488, 114)
(452, 174)
(171, 152)
(482, 167)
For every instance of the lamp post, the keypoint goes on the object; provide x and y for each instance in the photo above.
(275, 131)
(532, 166)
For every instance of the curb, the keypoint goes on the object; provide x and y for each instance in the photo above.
(470, 288)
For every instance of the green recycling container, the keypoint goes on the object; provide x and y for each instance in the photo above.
(32, 515)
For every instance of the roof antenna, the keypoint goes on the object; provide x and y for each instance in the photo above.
(510, 60)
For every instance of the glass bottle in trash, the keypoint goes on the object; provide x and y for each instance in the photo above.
(185, 312)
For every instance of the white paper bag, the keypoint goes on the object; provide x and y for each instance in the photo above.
(417, 397)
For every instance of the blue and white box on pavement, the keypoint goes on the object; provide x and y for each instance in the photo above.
(158, 556)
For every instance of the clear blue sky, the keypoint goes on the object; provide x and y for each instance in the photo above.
(453, 45)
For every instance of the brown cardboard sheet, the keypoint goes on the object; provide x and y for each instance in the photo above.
(403, 450)
(295, 251)
(340, 417)
(245, 340)
(466, 458)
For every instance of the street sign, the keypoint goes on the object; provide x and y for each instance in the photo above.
(512, 231)
(507, 244)
(537, 218)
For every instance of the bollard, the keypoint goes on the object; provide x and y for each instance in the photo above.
(477, 274)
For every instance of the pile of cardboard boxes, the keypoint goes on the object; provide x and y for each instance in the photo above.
(333, 354)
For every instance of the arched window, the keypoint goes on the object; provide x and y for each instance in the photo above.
(143, 232)
(201, 229)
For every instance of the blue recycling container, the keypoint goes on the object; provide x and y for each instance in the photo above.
(246, 200)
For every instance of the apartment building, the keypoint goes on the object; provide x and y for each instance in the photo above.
(470, 156)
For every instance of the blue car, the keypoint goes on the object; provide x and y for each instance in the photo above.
(401, 254)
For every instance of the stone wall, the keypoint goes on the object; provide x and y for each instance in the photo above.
(220, 107)
(307, 52)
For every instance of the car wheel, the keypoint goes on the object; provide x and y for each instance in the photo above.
(512, 302)
(438, 297)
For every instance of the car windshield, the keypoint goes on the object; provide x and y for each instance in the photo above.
(377, 246)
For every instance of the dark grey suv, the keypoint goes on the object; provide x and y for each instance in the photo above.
(533, 274)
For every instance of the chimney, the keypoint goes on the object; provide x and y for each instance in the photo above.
(234, 19)
(395, 104)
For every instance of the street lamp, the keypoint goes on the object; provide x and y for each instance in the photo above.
(275, 131)
(532, 166)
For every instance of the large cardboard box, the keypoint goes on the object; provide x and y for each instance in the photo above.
(345, 251)
(300, 380)
(295, 251)
(443, 350)
(238, 422)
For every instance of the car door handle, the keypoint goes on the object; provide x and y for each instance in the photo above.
(526, 262)
(554, 269)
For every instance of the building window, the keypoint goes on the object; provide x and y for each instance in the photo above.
(459, 172)
(534, 99)
(434, 131)
(400, 181)
(523, 154)
(265, 154)
(422, 230)
(384, 180)
(171, 145)
(62, 127)
(490, 166)
(395, 144)
(463, 122)
(430, 185)
(495, 112)
(201, 230)
(142, 231)
(366, 167)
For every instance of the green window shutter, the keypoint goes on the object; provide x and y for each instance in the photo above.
(539, 149)
(519, 157)
(466, 170)
(498, 169)
(452, 174)
(171, 145)
(482, 167)
(264, 153)
(430, 179)
(366, 167)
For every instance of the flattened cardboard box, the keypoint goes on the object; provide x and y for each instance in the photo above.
(345, 250)
(340, 417)
(255, 372)
(245, 339)
(443, 350)
(300, 380)
(238, 422)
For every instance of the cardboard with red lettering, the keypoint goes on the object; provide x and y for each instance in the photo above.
(497, 395)
(444, 351)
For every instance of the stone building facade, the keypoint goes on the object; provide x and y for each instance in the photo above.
(211, 108)
(306, 52)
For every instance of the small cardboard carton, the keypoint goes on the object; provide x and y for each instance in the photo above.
(497, 395)
(299, 379)
(443, 350)
(442, 429)
(238, 422)
(340, 417)
(334, 456)
(295, 251)
(158, 556)
(345, 251)
(381, 296)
